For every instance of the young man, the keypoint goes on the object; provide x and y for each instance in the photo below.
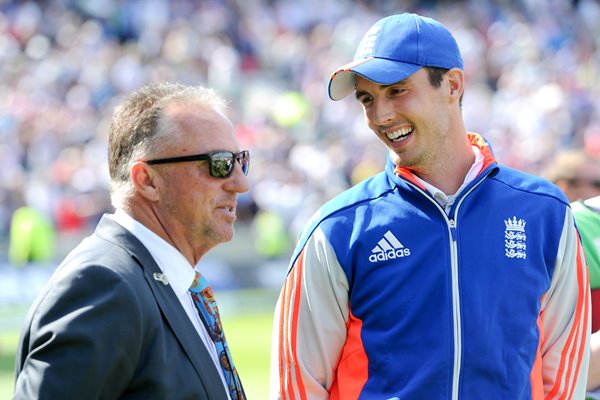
(447, 275)
(125, 316)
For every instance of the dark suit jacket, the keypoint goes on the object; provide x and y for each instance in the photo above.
(104, 328)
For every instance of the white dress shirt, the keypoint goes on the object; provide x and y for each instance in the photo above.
(179, 272)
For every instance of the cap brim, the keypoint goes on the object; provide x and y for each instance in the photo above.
(378, 70)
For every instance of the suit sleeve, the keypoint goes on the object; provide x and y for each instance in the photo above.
(565, 320)
(83, 338)
(310, 322)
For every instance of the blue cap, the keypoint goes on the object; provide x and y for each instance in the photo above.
(395, 48)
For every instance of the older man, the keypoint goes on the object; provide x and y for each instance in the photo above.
(126, 315)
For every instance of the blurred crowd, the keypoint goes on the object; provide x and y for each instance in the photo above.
(532, 69)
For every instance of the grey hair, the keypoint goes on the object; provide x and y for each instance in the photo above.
(140, 128)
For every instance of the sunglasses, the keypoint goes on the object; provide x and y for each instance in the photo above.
(221, 162)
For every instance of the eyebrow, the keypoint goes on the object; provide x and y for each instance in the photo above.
(360, 93)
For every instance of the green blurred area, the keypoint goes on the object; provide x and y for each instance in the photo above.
(8, 345)
(32, 237)
(247, 319)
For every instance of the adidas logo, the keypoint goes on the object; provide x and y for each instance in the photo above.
(388, 248)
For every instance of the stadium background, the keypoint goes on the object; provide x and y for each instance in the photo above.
(533, 89)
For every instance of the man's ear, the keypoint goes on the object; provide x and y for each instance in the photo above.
(456, 82)
(144, 180)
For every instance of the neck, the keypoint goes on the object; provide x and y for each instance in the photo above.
(450, 168)
(143, 212)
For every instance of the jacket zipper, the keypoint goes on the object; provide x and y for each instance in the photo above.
(456, 314)
(452, 223)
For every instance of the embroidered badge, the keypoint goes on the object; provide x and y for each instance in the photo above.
(515, 239)
(367, 45)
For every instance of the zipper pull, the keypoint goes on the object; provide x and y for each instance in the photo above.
(452, 225)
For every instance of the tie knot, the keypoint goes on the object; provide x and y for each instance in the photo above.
(199, 284)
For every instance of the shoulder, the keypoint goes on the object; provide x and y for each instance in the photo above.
(344, 210)
(93, 268)
(348, 201)
(97, 271)
(528, 184)
(95, 258)
(111, 248)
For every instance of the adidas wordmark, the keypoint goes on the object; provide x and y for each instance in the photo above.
(388, 248)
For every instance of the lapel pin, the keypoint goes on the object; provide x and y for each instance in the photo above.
(161, 278)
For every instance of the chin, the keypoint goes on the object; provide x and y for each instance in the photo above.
(227, 234)
(218, 233)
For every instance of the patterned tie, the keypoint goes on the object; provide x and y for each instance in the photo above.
(209, 314)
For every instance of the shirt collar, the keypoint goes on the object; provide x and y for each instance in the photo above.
(172, 263)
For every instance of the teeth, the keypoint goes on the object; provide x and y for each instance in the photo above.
(400, 133)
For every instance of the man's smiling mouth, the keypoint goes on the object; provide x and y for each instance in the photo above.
(399, 134)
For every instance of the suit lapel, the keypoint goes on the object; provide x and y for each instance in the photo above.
(168, 303)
